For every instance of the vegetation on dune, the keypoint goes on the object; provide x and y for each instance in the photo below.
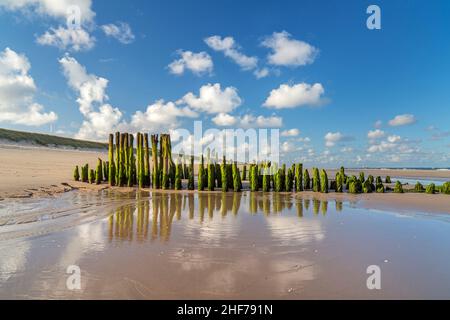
(49, 140)
(388, 179)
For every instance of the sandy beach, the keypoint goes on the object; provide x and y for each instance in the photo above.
(26, 171)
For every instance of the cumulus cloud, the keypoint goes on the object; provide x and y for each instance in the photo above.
(287, 51)
(160, 115)
(261, 73)
(212, 99)
(333, 138)
(225, 120)
(290, 133)
(402, 120)
(76, 39)
(100, 118)
(198, 63)
(73, 38)
(51, 8)
(17, 89)
(375, 134)
(230, 49)
(399, 146)
(301, 94)
(247, 121)
(250, 121)
(120, 31)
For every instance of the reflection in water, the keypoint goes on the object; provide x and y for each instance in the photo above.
(158, 211)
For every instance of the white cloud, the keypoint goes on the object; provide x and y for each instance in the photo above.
(120, 31)
(300, 94)
(287, 51)
(76, 39)
(393, 142)
(250, 121)
(224, 120)
(199, 63)
(305, 139)
(91, 88)
(288, 147)
(100, 118)
(228, 46)
(247, 121)
(17, 89)
(261, 73)
(347, 149)
(332, 138)
(402, 120)
(52, 8)
(212, 99)
(160, 115)
(393, 139)
(290, 133)
(375, 134)
(231, 50)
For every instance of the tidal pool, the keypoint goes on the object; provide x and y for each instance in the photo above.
(153, 245)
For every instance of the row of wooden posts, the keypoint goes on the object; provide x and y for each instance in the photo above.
(129, 166)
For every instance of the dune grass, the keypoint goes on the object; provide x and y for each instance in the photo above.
(47, 140)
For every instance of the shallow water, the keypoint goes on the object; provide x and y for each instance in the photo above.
(213, 245)
(413, 181)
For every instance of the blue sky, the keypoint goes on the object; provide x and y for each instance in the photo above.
(321, 72)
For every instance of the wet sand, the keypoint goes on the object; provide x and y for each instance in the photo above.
(144, 245)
